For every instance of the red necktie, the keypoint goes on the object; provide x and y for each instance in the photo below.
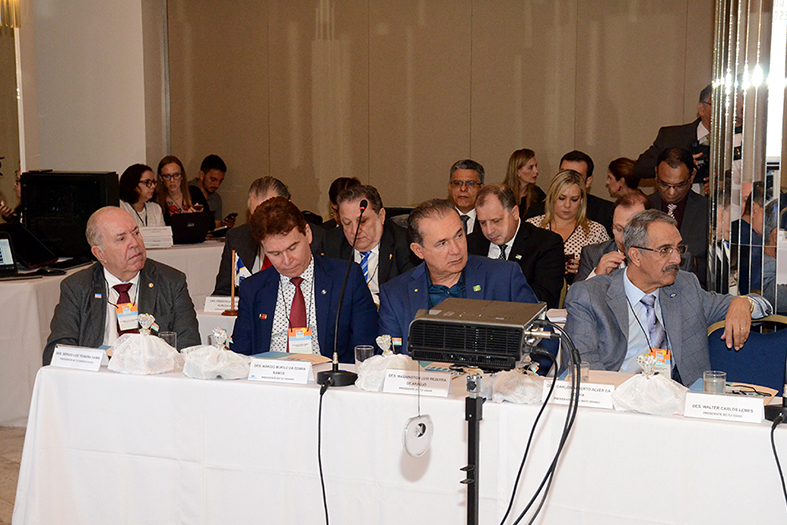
(298, 309)
(266, 263)
(123, 298)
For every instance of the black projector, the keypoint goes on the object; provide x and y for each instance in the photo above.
(486, 334)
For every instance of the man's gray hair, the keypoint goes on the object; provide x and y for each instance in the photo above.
(467, 164)
(93, 233)
(636, 232)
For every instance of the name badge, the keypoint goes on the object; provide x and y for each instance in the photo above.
(300, 340)
(79, 358)
(663, 360)
(434, 384)
(280, 371)
(127, 316)
(217, 304)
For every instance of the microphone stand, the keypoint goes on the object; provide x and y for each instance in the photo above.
(334, 376)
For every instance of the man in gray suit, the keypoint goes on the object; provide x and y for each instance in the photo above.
(604, 257)
(87, 315)
(675, 172)
(651, 304)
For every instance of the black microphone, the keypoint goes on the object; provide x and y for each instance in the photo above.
(334, 376)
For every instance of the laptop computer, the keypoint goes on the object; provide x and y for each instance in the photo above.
(8, 270)
(30, 252)
(191, 228)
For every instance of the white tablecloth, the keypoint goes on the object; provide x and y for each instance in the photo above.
(27, 308)
(107, 448)
(209, 321)
(200, 263)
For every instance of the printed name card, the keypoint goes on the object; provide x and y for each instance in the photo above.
(217, 305)
(79, 358)
(435, 384)
(746, 409)
(281, 371)
(593, 395)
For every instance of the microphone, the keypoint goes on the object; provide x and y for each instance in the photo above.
(334, 376)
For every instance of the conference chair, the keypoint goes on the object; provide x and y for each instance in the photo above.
(761, 361)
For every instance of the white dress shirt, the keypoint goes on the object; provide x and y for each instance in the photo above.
(281, 317)
(111, 322)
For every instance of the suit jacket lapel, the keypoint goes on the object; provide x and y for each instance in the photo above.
(147, 295)
(323, 299)
(519, 243)
(385, 254)
(418, 290)
(475, 280)
(97, 308)
(618, 304)
(670, 301)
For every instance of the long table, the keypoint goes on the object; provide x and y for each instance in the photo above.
(111, 448)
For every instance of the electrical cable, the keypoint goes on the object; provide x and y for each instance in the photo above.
(568, 424)
(779, 419)
(532, 433)
(323, 389)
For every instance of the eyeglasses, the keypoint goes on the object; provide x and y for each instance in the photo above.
(174, 176)
(678, 186)
(470, 183)
(665, 251)
(149, 183)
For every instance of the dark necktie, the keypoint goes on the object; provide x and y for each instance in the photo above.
(266, 263)
(365, 265)
(298, 308)
(502, 255)
(465, 218)
(123, 298)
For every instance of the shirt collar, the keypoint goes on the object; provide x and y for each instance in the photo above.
(702, 131)
(375, 251)
(470, 214)
(633, 293)
(308, 273)
(113, 281)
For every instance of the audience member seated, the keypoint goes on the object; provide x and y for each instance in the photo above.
(603, 258)
(252, 256)
(336, 188)
(566, 215)
(13, 214)
(465, 179)
(674, 175)
(300, 292)
(502, 235)
(521, 178)
(598, 210)
(438, 238)
(382, 248)
(211, 174)
(173, 193)
(137, 187)
(86, 314)
(651, 304)
(694, 137)
(621, 180)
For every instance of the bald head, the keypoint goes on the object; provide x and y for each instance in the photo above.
(115, 241)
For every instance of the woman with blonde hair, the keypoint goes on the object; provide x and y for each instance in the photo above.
(565, 213)
(521, 178)
(173, 192)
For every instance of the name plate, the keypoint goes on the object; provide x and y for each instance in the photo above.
(79, 358)
(746, 409)
(593, 395)
(280, 371)
(218, 304)
(435, 384)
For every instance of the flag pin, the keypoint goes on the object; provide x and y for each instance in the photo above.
(673, 294)
(477, 288)
(97, 296)
(263, 316)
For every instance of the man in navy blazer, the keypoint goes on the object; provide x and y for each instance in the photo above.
(297, 280)
(651, 304)
(447, 271)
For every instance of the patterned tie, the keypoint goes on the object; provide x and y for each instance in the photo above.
(502, 255)
(465, 218)
(298, 308)
(123, 298)
(365, 265)
(671, 210)
(656, 334)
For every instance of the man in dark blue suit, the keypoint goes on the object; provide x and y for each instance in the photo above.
(291, 306)
(438, 238)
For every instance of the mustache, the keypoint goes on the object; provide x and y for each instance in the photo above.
(671, 267)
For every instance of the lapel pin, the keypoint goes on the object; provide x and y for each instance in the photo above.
(518, 257)
(416, 290)
(150, 285)
(477, 288)
(323, 292)
(97, 296)
(263, 316)
(673, 294)
(390, 256)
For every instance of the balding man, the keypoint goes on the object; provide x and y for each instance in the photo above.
(89, 299)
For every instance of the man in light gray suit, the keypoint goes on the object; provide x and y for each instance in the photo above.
(604, 257)
(651, 304)
(86, 314)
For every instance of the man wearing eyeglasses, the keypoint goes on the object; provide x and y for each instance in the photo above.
(465, 180)
(653, 307)
(675, 171)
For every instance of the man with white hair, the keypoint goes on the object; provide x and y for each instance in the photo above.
(102, 302)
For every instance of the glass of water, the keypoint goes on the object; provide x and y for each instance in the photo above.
(714, 381)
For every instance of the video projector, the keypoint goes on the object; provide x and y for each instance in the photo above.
(487, 334)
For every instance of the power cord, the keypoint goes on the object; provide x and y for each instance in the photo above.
(776, 422)
(323, 389)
